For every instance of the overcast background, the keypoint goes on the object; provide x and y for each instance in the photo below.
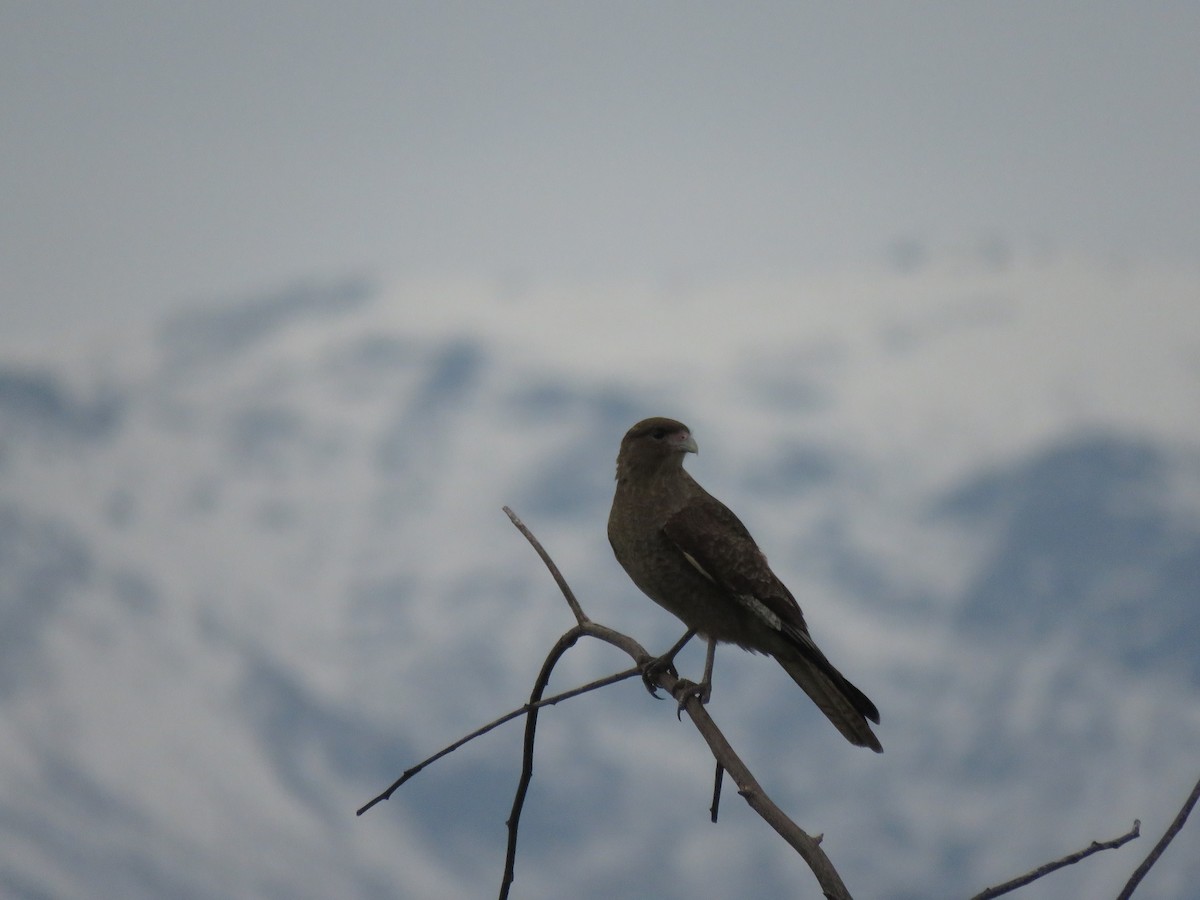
(159, 154)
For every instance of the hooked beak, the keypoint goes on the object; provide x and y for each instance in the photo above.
(687, 443)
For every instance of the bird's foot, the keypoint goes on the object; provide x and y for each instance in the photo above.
(685, 690)
(654, 667)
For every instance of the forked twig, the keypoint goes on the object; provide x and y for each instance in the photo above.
(749, 788)
(1166, 839)
(586, 628)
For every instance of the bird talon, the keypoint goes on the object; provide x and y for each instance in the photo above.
(685, 690)
(652, 668)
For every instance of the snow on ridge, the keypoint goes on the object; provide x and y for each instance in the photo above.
(971, 361)
(971, 358)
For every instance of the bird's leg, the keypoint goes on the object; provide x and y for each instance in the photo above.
(651, 668)
(702, 691)
(709, 656)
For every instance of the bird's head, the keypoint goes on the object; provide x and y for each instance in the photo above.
(652, 445)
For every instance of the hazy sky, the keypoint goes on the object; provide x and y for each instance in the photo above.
(156, 154)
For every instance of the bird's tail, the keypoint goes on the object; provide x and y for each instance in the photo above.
(844, 705)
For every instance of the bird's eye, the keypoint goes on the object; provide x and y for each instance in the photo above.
(658, 434)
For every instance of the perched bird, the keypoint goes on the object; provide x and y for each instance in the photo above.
(692, 556)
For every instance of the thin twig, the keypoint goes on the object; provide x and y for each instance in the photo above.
(1169, 836)
(716, 804)
(576, 609)
(561, 646)
(507, 717)
(1071, 859)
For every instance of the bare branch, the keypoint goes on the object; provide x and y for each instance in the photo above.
(580, 616)
(561, 646)
(564, 643)
(507, 717)
(1174, 829)
(807, 846)
(1040, 871)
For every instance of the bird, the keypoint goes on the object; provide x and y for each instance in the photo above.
(691, 555)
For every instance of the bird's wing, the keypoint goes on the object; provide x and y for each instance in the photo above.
(716, 543)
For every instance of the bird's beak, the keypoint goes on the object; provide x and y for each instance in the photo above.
(687, 443)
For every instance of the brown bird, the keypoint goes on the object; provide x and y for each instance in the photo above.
(693, 557)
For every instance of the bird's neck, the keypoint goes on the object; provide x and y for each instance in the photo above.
(662, 480)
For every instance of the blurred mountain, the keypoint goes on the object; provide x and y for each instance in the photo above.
(253, 566)
(1088, 541)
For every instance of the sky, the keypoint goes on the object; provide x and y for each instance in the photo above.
(162, 155)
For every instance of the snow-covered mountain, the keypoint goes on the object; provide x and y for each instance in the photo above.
(253, 566)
